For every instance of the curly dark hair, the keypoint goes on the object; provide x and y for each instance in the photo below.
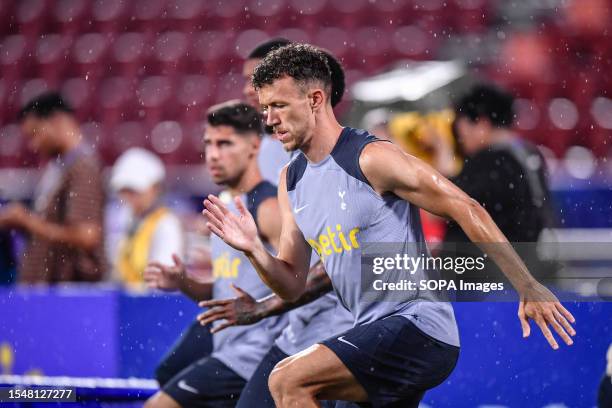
(302, 62)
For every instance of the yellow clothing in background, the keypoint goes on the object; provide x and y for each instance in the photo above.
(134, 249)
(416, 133)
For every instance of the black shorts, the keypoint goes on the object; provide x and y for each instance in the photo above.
(256, 394)
(394, 361)
(195, 343)
(206, 383)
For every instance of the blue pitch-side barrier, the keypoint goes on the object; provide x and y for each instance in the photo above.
(93, 332)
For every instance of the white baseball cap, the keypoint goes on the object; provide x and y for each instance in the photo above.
(137, 169)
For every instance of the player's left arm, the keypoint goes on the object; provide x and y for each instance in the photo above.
(244, 309)
(390, 170)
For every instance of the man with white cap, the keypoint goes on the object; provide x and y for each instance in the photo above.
(155, 234)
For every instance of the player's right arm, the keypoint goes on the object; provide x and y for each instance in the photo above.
(286, 273)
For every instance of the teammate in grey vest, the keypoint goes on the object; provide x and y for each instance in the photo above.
(345, 189)
(231, 142)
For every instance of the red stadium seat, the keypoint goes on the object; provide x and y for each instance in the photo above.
(116, 96)
(89, 53)
(412, 42)
(114, 140)
(392, 13)
(170, 50)
(70, 15)
(336, 40)
(267, 16)
(350, 14)
(7, 16)
(4, 111)
(470, 16)
(229, 86)
(166, 139)
(296, 35)
(148, 15)
(109, 15)
(230, 16)
(187, 15)
(247, 40)
(308, 14)
(178, 143)
(11, 102)
(13, 54)
(193, 95)
(375, 48)
(52, 51)
(78, 92)
(153, 93)
(193, 134)
(31, 17)
(129, 52)
(209, 52)
(129, 134)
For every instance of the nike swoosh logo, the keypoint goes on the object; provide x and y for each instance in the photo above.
(341, 338)
(297, 210)
(183, 385)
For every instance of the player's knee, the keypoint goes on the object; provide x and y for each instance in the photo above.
(151, 402)
(285, 381)
(276, 384)
(160, 400)
(281, 382)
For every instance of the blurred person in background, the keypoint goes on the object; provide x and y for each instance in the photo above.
(504, 173)
(507, 176)
(155, 234)
(376, 121)
(430, 138)
(66, 225)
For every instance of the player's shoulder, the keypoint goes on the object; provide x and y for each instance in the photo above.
(260, 193)
(353, 145)
(294, 170)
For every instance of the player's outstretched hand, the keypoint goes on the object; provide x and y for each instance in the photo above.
(237, 230)
(542, 306)
(239, 311)
(165, 277)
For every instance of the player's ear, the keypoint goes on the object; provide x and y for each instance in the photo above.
(255, 141)
(317, 99)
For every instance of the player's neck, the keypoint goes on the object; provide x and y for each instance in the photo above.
(250, 178)
(324, 137)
